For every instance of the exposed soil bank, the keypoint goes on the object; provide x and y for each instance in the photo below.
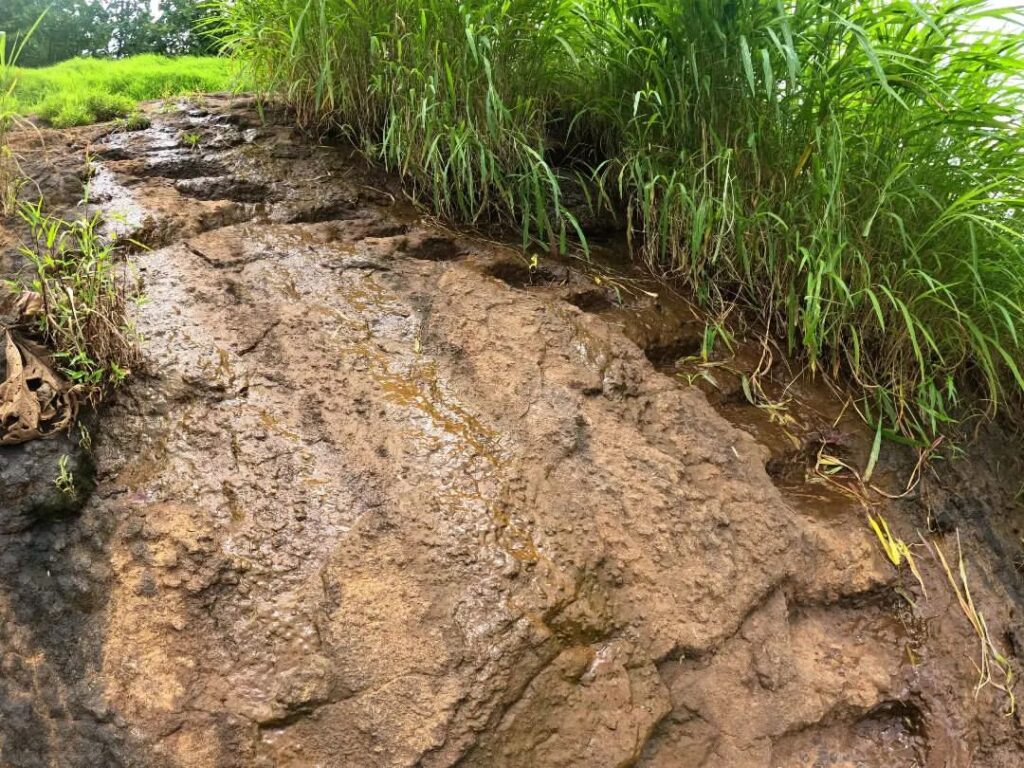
(384, 497)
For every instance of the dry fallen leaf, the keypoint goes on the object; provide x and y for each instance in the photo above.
(34, 400)
(29, 304)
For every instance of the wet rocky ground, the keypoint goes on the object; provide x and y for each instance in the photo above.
(383, 495)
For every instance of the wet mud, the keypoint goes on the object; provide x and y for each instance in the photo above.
(385, 494)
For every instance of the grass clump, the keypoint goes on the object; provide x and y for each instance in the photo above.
(67, 111)
(455, 96)
(11, 177)
(850, 172)
(86, 295)
(65, 480)
(83, 91)
(853, 169)
(136, 120)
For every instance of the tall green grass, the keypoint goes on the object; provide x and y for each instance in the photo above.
(850, 171)
(11, 177)
(83, 91)
(9, 172)
(457, 97)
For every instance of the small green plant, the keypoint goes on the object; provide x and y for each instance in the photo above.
(84, 438)
(65, 480)
(715, 331)
(87, 294)
(196, 99)
(136, 121)
(191, 139)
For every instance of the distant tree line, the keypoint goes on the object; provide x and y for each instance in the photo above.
(104, 28)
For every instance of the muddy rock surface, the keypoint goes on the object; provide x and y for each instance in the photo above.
(385, 496)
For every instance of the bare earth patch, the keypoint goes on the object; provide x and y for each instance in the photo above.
(382, 498)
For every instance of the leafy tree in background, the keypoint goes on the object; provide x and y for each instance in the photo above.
(69, 28)
(105, 28)
(177, 27)
(131, 27)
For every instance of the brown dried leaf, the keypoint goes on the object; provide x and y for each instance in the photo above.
(34, 400)
(29, 304)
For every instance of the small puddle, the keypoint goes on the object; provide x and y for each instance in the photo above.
(122, 215)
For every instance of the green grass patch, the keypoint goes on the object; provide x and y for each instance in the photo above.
(84, 91)
(86, 299)
(849, 171)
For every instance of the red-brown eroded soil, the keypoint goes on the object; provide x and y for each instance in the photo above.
(384, 497)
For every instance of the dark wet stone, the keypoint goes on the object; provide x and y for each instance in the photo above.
(431, 248)
(312, 211)
(225, 188)
(112, 152)
(28, 482)
(592, 299)
(183, 166)
(519, 274)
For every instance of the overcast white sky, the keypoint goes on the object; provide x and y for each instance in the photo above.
(1018, 5)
